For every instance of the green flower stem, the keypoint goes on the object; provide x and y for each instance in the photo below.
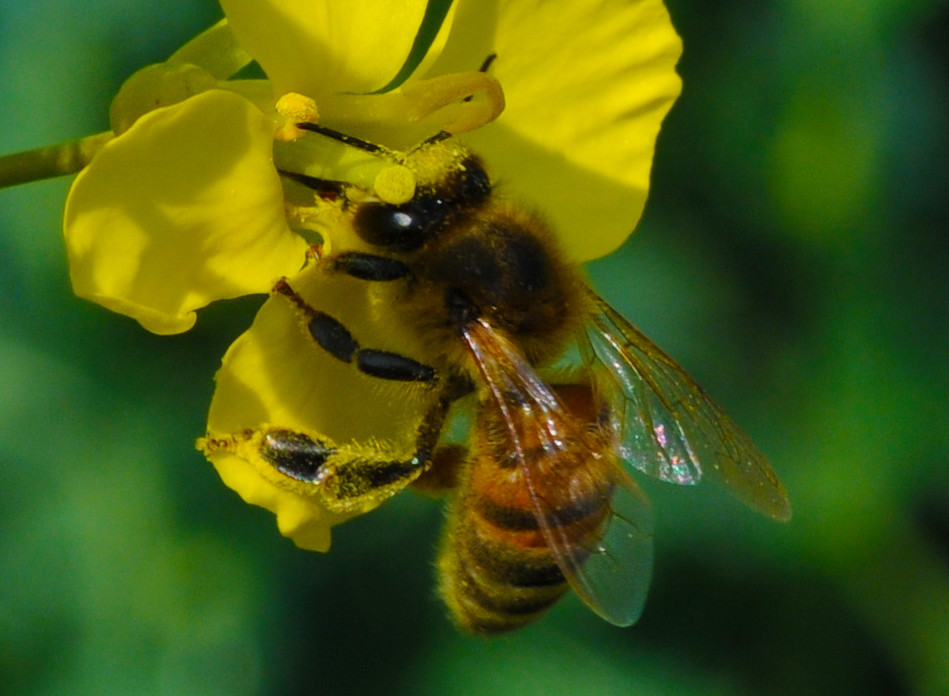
(216, 50)
(52, 161)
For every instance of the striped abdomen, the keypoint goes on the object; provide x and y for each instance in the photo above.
(497, 570)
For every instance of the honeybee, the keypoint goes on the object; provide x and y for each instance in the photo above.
(540, 499)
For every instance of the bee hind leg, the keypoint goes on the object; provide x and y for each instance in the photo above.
(445, 472)
(348, 477)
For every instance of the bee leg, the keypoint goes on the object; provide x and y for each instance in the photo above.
(370, 266)
(346, 478)
(357, 476)
(333, 337)
(361, 475)
(314, 253)
(444, 473)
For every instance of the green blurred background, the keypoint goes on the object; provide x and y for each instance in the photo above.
(793, 256)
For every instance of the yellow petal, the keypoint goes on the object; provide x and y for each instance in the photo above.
(183, 209)
(321, 48)
(154, 86)
(275, 374)
(402, 118)
(587, 85)
(468, 41)
(297, 517)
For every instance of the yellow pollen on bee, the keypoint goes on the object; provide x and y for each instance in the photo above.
(395, 185)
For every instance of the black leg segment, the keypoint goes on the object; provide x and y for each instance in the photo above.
(385, 365)
(332, 336)
(295, 454)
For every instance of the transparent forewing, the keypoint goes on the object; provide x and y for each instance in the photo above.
(669, 426)
(612, 570)
(651, 437)
(620, 566)
(606, 556)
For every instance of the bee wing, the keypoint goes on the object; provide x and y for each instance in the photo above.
(610, 574)
(670, 427)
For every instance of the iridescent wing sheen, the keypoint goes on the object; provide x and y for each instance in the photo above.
(610, 569)
(670, 428)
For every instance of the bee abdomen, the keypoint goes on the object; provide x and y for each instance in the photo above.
(491, 588)
(497, 572)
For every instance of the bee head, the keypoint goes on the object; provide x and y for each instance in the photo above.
(408, 226)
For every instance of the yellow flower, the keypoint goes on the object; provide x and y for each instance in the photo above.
(194, 200)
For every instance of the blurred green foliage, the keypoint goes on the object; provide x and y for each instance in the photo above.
(793, 256)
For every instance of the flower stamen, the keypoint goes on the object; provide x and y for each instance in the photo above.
(293, 109)
(322, 217)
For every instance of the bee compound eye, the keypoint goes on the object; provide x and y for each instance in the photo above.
(400, 227)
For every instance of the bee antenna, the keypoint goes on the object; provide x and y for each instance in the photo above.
(486, 65)
(445, 135)
(367, 146)
(351, 140)
(431, 140)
